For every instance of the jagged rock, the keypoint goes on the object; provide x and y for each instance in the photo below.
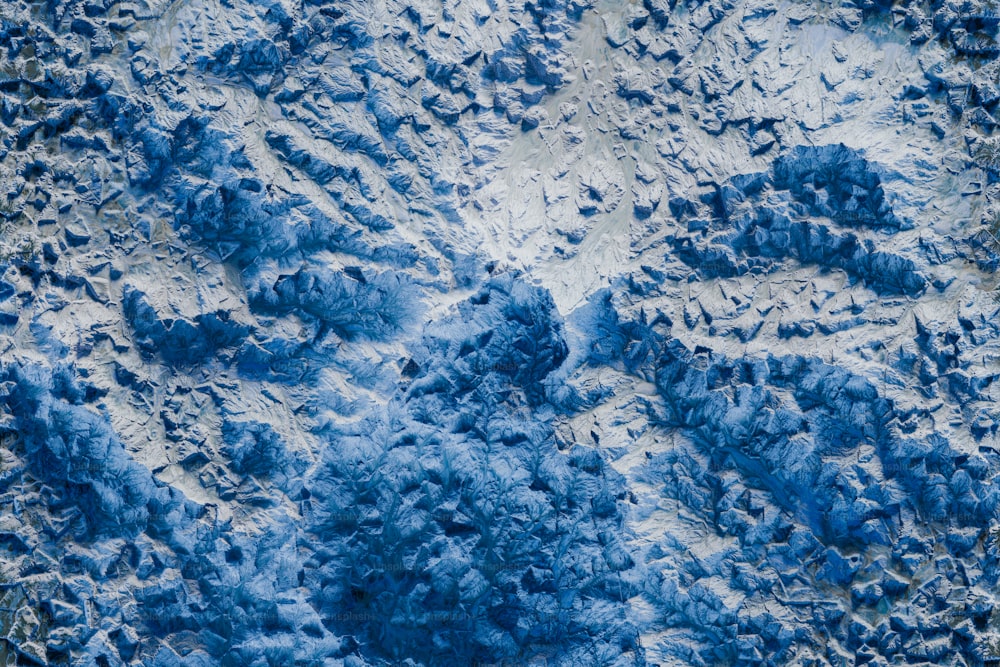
(325, 420)
(179, 341)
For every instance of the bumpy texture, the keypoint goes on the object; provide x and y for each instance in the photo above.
(575, 333)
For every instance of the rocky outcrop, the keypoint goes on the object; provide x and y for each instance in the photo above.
(585, 333)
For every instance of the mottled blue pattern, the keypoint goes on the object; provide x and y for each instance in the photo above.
(475, 333)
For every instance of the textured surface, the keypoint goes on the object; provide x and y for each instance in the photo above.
(586, 333)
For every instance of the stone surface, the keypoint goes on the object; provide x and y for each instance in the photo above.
(498, 333)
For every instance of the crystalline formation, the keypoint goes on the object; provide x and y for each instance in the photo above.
(580, 332)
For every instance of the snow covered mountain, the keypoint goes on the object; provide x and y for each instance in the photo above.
(560, 332)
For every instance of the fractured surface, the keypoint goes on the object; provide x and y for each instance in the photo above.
(343, 333)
